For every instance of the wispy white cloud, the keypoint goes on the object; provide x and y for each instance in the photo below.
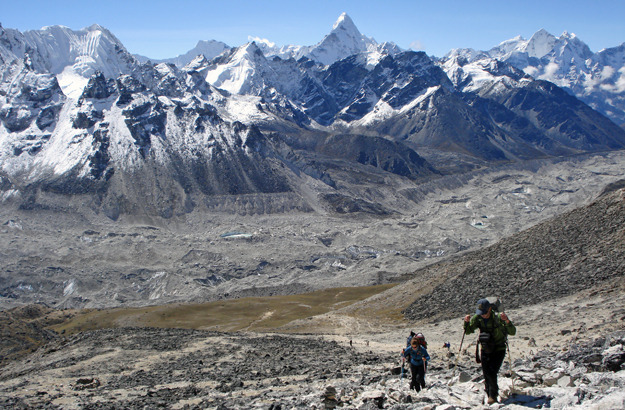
(261, 40)
(417, 45)
(549, 72)
(620, 83)
(531, 70)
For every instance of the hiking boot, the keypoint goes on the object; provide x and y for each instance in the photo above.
(492, 400)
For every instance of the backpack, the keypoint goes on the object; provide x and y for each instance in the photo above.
(420, 339)
(495, 303)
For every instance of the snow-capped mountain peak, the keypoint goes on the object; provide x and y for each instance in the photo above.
(72, 55)
(344, 22)
(206, 48)
(344, 40)
(91, 49)
(596, 78)
(239, 72)
(541, 44)
(268, 122)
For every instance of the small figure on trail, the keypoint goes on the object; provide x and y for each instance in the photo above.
(409, 339)
(494, 330)
(418, 357)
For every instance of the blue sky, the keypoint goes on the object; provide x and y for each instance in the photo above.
(161, 29)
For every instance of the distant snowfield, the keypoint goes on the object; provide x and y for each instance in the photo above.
(383, 110)
(244, 108)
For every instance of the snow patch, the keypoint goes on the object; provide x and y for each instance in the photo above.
(10, 194)
(619, 86)
(71, 83)
(69, 288)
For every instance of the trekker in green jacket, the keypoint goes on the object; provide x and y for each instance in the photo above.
(494, 330)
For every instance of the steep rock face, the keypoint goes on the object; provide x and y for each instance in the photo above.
(565, 118)
(31, 104)
(380, 153)
(12, 45)
(442, 120)
(155, 141)
(387, 155)
(395, 82)
(535, 116)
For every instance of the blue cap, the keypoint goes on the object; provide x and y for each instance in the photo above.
(482, 307)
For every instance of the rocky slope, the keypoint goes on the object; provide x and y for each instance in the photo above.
(568, 351)
(559, 257)
(24, 329)
(177, 368)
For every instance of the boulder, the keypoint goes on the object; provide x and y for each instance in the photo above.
(565, 381)
(614, 358)
(464, 377)
(377, 397)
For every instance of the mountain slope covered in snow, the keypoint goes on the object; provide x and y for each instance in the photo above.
(597, 78)
(82, 116)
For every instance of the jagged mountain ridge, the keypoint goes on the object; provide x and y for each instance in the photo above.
(158, 129)
(209, 49)
(147, 145)
(595, 78)
(80, 115)
(505, 94)
(395, 97)
(343, 41)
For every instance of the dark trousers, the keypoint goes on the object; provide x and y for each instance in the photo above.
(491, 363)
(418, 376)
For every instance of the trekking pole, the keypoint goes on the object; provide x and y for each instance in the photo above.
(510, 363)
(509, 355)
(464, 332)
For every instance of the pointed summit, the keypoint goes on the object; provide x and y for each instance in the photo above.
(344, 40)
(572, 46)
(541, 43)
(344, 22)
(241, 71)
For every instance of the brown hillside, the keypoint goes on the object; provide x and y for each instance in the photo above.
(567, 254)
